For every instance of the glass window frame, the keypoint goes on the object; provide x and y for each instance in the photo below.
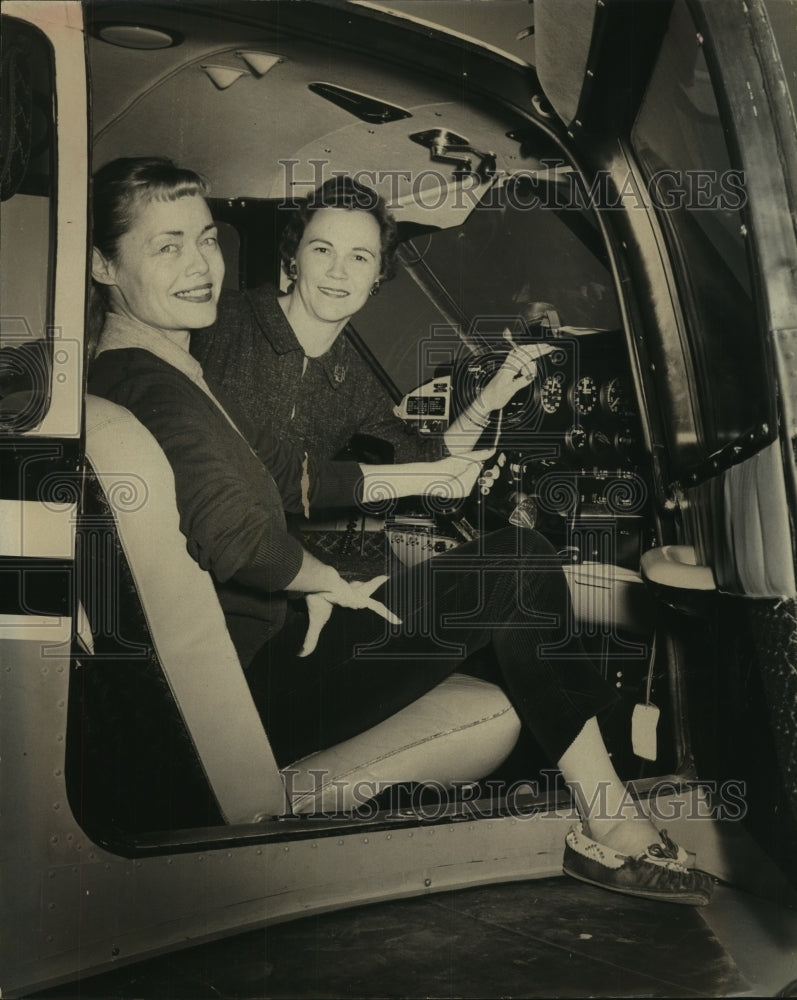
(710, 435)
(36, 361)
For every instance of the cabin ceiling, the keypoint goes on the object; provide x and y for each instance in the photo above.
(233, 100)
(506, 25)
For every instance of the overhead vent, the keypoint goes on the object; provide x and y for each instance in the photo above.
(255, 64)
(223, 76)
(259, 62)
(367, 109)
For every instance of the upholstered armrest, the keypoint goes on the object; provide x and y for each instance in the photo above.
(676, 566)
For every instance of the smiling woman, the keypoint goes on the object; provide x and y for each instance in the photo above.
(480, 157)
(335, 261)
(315, 694)
(158, 257)
(289, 359)
(337, 267)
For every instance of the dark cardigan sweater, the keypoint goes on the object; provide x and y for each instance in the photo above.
(251, 355)
(230, 499)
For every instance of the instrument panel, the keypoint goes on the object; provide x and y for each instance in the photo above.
(579, 411)
(568, 445)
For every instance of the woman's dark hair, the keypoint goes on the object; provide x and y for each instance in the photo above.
(343, 192)
(116, 189)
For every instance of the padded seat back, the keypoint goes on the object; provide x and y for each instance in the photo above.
(460, 731)
(183, 615)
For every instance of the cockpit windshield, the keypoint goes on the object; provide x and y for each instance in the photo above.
(683, 150)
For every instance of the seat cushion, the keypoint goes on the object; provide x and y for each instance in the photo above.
(459, 731)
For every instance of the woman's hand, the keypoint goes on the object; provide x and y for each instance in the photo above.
(346, 595)
(451, 478)
(454, 477)
(517, 371)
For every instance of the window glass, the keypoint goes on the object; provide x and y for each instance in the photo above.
(527, 243)
(681, 146)
(27, 201)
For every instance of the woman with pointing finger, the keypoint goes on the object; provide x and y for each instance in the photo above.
(157, 264)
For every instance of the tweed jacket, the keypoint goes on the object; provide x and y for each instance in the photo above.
(251, 355)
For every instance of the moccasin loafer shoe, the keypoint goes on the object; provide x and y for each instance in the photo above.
(668, 849)
(651, 875)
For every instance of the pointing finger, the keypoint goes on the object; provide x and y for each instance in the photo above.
(380, 609)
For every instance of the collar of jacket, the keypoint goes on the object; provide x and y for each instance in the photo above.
(279, 333)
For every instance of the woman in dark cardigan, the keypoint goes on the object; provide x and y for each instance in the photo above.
(287, 359)
(157, 259)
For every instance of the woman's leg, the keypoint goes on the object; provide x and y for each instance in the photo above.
(507, 588)
(611, 816)
(361, 673)
(554, 686)
(558, 693)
